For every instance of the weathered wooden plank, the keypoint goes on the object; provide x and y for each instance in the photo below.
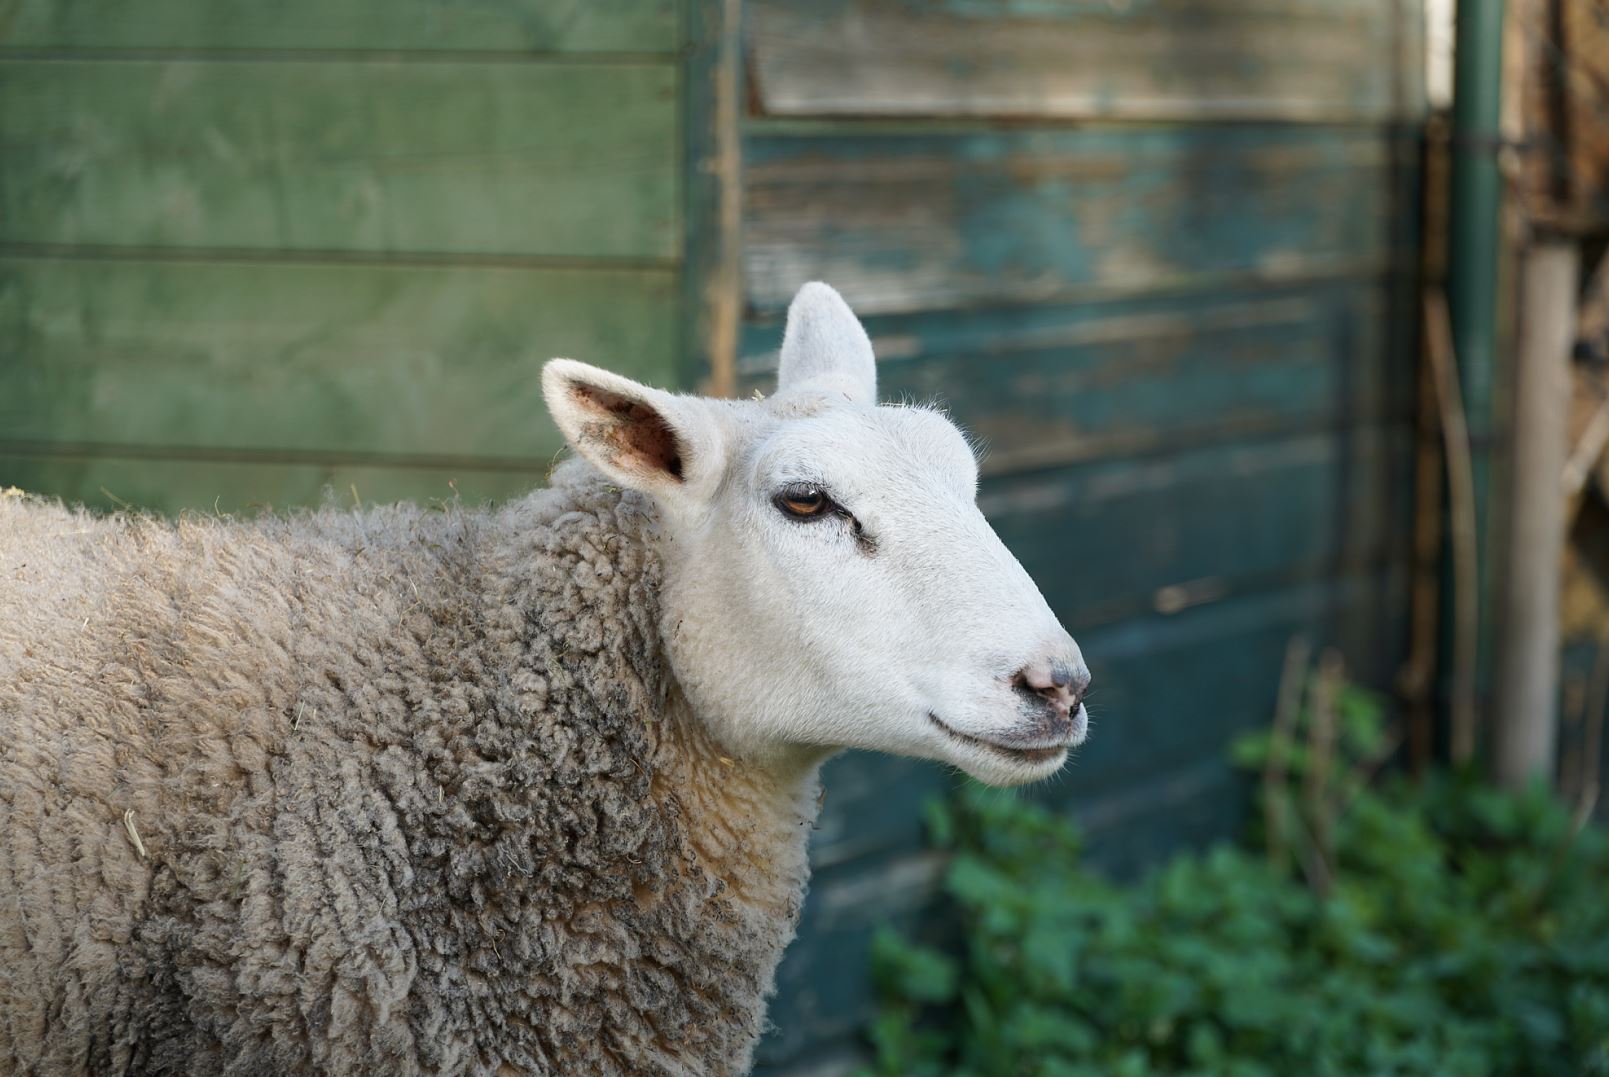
(920, 222)
(865, 785)
(1050, 385)
(1110, 539)
(712, 269)
(1076, 59)
(1168, 808)
(1178, 688)
(1170, 692)
(535, 160)
(170, 485)
(313, 358)
(435, 25)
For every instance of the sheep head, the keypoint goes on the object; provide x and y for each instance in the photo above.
(829, 580)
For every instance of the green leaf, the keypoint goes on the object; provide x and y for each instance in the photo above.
(911, 972)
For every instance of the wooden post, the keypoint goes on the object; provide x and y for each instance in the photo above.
(1525, 719)
(713, 267)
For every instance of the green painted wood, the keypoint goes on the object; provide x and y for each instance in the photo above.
(482, 25)
(171, 485)
(1111, 539)
(1079, 59)
(925, 222)
(421, 361)
(1051, 384)
(518, 159)
(1177, 688)
(873, 800)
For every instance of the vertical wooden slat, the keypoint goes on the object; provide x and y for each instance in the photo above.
(713, 273)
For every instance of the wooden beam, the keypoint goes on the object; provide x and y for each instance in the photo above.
(713, 285)
(1525, 719)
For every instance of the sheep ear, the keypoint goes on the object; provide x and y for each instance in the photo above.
(645, 439)
(825, 347)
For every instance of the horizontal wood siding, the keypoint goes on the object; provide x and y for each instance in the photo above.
(1116, 538)
(1052, 384)
(559, 26)
(251, 250)
(924, 222)
(526, 159)
(312, 358)
(1185, 346)
(1147, 59)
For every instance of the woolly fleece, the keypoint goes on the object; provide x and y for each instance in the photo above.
(415, 789)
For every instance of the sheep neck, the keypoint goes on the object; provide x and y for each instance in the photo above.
(749, 824)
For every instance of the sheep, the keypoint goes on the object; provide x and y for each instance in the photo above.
(519, 790)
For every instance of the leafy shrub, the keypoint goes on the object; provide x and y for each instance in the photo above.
(1388, 927)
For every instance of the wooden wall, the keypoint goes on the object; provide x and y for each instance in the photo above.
(1159, 256)
(1154, 252)
(249, 250)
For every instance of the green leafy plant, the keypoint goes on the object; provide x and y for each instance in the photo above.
(1375, 926)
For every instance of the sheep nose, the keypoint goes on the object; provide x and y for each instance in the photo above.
(1059, 684)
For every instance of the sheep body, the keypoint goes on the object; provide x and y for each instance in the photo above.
(394, 791)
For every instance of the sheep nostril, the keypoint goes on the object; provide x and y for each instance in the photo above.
(1057, 684)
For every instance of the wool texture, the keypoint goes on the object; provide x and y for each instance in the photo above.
(393, 791)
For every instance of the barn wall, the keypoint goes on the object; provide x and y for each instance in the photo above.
(1157, 255)
(250, 250)
(1154, 253)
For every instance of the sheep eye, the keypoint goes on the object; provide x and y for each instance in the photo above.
(804, 502)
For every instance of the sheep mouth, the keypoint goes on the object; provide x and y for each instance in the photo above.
(1025, 753)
